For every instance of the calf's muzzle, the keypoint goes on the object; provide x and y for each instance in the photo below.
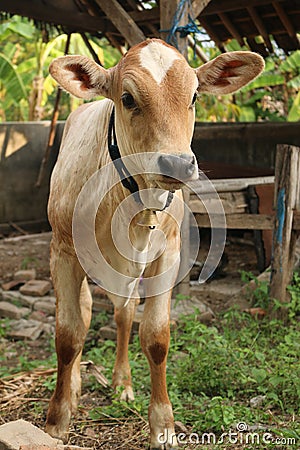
(181, 167)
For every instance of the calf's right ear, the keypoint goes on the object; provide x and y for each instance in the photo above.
(81, 76)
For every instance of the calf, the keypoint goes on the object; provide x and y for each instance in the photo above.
(145, 126)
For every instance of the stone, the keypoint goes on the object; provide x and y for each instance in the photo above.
(39, 316)
(107, 332)
(256, 402)
(25, 275)
(22, 434)
(25, 330)
(47, 305)
(13, 285)
(36, 288)
(24, 300)
(206, 317)
(12, 311)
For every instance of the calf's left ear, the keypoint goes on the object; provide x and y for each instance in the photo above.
(229, 72)
(80, 76)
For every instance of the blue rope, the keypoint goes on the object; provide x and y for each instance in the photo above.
(280, 215)
(190, 28)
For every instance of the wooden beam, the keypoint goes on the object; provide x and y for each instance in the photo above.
(260, 26)
(73, 20)
(115, 43)
(216, 7)
(231, 28)
(198, 6)
(122, 21)
(212, 34)
(285, 20)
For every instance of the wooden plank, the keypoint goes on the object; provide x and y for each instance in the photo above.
(240, 221)
(122, 21)
(232, 202)
(284, 238)
(228, 185)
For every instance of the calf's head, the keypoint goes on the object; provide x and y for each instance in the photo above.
(154, 91)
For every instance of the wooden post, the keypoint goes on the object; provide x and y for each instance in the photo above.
(167, 12)
(184, 286)
(286, 201)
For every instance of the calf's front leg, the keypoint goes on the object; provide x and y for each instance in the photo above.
(73, 315)
(155, 339)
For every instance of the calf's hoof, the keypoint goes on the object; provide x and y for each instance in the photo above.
(57, 433)
(127, 394)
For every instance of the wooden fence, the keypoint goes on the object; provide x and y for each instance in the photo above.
(284, 221)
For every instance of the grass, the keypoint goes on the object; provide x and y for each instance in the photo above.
(240, 370)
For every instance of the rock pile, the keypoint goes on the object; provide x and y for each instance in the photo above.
(30, 305)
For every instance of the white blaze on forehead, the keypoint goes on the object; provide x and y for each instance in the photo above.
(157, 59)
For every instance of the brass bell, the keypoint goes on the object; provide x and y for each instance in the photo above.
(148, 218)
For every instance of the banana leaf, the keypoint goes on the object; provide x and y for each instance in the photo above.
(294, 113)
(292, 62)
(265, 80)
(11, 80)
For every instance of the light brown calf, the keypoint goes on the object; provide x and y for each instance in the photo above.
(152, 90)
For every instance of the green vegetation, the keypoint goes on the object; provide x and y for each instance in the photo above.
(239, 370)
(27, 92)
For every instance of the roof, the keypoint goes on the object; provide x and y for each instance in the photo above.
(260, 24)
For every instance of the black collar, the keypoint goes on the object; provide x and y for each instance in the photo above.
(126, 179)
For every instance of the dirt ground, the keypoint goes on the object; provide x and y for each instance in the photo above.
(28, 393)
(32, 251)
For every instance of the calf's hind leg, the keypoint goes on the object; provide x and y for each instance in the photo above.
(73, 314)
(122, 373)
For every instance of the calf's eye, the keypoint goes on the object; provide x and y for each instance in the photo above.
(128, 101)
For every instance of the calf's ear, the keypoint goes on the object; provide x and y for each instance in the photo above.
(229, 72)
(80, 76)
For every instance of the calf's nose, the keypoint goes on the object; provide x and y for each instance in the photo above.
(181, 167)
